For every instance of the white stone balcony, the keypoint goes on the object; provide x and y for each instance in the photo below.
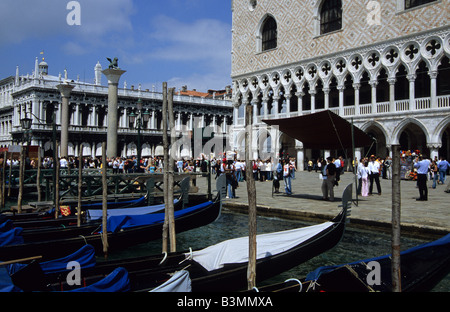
(370, 110)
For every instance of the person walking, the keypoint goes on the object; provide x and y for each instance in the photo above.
(443, 166)
(422, 164)
(434, 173)
(287, 177)
(359, 170)
(364, 179)
(228, 169)
(278, 176)
(328, 176)
(337, 164)
(374, 169)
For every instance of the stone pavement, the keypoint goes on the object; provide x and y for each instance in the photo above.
(418, 218)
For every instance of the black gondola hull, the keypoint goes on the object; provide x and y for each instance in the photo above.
(60, 247)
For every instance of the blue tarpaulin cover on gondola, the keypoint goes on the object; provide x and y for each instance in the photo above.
(96, 214)
(117, 281)
(99, 205)
(11, 237)
(6, 285)
(6, 226)
(314, 275)
(117, 223)
(85, 257)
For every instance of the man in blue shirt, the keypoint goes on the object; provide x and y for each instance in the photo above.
(443, 167)
(422, 164)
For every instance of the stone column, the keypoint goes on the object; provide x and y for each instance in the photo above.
(341, 100)
(434, 150)
(113, 76)
(356, 87)
(326, 97)
(392, 94)
(313, 92)
(433, 89)
(300, 103)
(412, 92)
(65, 90)
(373, 84)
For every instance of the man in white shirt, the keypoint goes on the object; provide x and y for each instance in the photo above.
(337, 164)
(374, 171)
(63, 164)
(422, 164)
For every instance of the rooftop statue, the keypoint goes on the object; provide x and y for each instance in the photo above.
(113, 64)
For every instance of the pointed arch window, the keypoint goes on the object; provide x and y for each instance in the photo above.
(269, 34)
(409, 4)
(330, 16)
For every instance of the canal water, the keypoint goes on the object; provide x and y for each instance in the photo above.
(355, 245)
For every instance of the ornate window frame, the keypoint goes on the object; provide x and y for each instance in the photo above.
(401, 7)
(259, 34)
(317, 10)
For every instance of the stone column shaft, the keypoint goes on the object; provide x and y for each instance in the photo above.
(113, 76)
(65, 90)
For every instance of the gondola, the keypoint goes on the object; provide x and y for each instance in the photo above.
(47, 217)
(92, 214)
(422, 268)
(223, 267)
(49, 213)
(132, 234)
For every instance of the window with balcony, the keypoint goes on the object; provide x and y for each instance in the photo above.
(330, 16)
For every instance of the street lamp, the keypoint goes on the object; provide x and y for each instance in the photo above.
(140, 118)
(26, 123)
(26, 126)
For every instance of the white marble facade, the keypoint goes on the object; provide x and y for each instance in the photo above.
(36, 96)
(386, 67)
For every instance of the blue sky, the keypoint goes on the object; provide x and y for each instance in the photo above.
(183, 42)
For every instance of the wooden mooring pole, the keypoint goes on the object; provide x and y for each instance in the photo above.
(3, 180)
(251, 192)
(104, 202)
(80, 182)
(38, 175)
(169, 186)
(21, 178)
(165, 232)
(56, 166)
(396, 213)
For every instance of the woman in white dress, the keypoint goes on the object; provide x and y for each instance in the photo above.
(364, 173)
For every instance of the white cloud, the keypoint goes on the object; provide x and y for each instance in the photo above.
(197, 53)
(202, 40)
(43, 19)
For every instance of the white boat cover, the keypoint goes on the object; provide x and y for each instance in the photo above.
(179, 282)
(236, 250)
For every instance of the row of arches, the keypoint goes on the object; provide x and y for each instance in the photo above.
(410, 134)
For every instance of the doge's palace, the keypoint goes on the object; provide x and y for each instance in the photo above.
(382, 64)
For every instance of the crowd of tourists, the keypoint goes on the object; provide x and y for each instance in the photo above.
(369, 170)
(235, 171)
(415, 166)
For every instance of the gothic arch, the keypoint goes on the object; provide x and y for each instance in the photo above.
(440, 129)
(402, 125)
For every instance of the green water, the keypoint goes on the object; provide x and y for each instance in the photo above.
(355, 245)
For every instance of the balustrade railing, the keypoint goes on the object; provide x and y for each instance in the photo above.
(399, 106)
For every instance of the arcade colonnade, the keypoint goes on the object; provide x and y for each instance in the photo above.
(398, 92)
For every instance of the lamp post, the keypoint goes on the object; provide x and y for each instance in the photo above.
(26, 126)
(140, 118)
